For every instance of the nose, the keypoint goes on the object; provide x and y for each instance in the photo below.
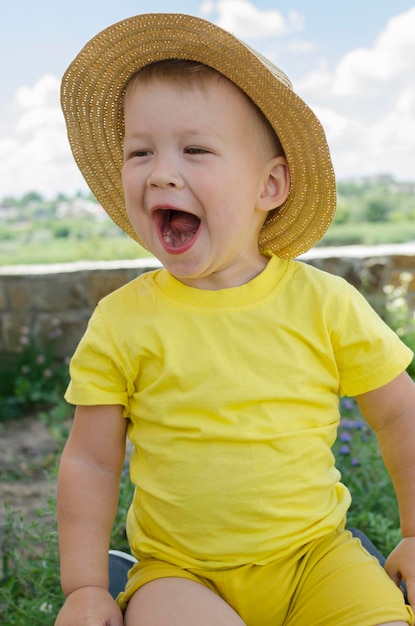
(164, 173)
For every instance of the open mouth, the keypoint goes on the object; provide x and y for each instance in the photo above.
(177, 228)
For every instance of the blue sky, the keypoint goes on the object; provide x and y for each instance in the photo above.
(353, 62)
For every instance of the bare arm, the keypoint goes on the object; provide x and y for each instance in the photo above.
(390, 410)
(88, 488)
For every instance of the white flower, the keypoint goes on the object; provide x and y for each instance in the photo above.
(406, 277)
(45, 608)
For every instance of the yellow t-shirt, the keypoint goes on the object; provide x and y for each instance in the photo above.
(232, 401)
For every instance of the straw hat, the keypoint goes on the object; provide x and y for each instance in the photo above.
(92, 92)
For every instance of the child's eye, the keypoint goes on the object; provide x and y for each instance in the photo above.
(193, 150)
(140, 153)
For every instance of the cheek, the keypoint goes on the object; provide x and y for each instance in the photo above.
(131, 179)
(126, 179)
(131, 196)
(124, 173)
(127, 188)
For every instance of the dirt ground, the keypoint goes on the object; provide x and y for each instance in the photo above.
(26, 452)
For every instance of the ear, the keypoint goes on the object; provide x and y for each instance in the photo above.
(276, 184)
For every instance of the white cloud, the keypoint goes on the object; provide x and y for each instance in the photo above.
(391, 59)
(247, 21)
(367, 103)
(335, 124)
(42, 94)
(405, 102)
(34, 152)
(385, 146)
(300, 46)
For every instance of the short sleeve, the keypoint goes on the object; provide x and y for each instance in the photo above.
(96, 369)
(369, 354)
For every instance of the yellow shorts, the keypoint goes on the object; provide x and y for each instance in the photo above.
(334, 581)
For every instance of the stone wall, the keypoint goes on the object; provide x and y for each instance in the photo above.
(42, 298)
(39, 298)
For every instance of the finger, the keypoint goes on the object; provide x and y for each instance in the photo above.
(393, 572)
(410, 589)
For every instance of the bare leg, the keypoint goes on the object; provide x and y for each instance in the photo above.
(178, 602)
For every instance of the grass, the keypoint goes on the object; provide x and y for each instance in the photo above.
(374, 508)
(30, 593)
(69, 250)
(369, 233)
(94, 247)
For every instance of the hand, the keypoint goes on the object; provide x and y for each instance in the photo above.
(90, 606)
(400, 565)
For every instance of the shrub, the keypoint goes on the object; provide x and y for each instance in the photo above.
(398, 315)
(29, 589)
(30, 593)
(374, 508)
(31, 376)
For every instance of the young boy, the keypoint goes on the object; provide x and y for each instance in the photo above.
(224, 367)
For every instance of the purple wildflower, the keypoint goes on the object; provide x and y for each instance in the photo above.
(347, 404)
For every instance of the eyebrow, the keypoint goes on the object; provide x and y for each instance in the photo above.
(190, 132)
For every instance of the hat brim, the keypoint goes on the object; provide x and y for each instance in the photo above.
(91, 97)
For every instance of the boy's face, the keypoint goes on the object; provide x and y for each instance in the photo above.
(196, 176)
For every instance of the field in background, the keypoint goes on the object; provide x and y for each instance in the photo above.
(33, 229)
(68, 250)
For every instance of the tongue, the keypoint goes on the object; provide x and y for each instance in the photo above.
(184, 223)
(179, 228)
